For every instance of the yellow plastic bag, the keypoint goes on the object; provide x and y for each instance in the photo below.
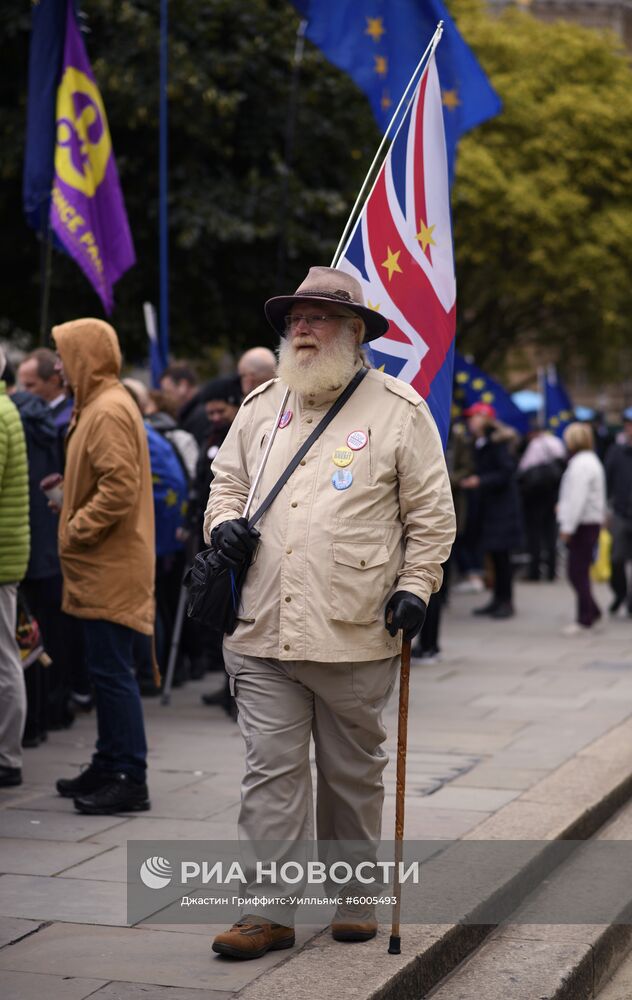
(601, 568)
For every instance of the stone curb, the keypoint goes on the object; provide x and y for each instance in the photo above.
(569, 804)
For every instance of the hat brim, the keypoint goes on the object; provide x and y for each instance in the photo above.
(276, 310)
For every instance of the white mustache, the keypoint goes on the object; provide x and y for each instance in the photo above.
(303, 342)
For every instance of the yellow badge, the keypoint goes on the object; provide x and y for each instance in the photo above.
(342, 456)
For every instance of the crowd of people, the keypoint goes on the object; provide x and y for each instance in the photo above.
(521, 502)
(108, 488)
(518, 503)
(104, 483)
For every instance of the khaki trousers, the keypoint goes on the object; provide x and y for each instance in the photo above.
(282, 704)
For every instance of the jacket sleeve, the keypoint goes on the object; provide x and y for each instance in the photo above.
(113, 456)
(425, 502)
(572, 497)
(231, 481)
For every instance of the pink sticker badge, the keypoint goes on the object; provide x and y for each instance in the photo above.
(285, 419)
(357, 440)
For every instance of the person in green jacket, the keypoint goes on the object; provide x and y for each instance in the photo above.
(14, 556)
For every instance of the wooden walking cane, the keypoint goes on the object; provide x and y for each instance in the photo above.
(394, 945)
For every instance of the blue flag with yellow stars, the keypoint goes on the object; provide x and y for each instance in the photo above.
(558, 410)
(379, 43)
(45, 61)
(472, 385)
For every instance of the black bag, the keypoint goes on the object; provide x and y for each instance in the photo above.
(214, 591)
(214, 588)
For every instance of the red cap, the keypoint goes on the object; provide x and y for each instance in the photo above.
(484, 409)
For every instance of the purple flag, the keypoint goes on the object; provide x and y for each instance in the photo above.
(87, 209)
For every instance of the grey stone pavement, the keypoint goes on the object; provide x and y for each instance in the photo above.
(509, 703)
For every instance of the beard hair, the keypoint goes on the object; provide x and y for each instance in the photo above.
(322, 370)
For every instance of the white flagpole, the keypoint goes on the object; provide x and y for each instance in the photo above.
(434, 41)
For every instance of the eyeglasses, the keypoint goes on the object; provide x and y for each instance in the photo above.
(314, 321)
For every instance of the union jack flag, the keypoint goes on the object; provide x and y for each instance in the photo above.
(401, 253)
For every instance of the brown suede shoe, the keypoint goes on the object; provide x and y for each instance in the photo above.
(354, 923)
(252, 937)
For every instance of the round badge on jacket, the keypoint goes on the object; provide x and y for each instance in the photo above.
(285, 419)
(357, 440)
(342, 457)
(342, 479)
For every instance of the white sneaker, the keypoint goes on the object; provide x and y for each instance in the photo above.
(473, 585)
(575, 629)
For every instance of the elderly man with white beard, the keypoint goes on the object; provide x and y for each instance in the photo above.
(344, 561)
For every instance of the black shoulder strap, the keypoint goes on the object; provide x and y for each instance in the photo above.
(318, 430)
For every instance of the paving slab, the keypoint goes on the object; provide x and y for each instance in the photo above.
(492, 776)
(42, 857)
(136, 955)
(13, 928)
(41, 825)
(76, 900)
(31, 986)
(140, 991)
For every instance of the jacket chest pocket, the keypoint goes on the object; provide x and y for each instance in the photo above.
(359, 581)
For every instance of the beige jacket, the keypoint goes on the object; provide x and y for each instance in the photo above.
(329, 559)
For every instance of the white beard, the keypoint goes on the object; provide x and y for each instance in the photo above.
(318, 370)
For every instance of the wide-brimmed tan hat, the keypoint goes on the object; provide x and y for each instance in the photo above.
(327, 284)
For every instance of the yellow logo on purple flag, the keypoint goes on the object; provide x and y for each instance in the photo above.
(87, 209)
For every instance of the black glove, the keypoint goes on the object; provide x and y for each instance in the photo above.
(235, 541)
(404, 611)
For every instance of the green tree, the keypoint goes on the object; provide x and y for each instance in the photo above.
(229, 76)
(542, 200)
(542, 211)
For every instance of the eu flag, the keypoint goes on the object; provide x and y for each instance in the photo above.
(379, 43)
(472, 385)
(558, 409)
(48, 33)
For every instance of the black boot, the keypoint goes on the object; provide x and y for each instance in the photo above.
(120, 794)
(84, 784)
(10, 776)
(503, 610)
(487, 609)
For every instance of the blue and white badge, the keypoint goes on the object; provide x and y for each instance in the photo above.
(342, 479)
(285, 419)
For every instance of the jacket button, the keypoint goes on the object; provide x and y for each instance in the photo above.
(302, 462)
(294, 503)
(288, 552)
(309, 421)
(286, 647)
(363, 562)
(287, 600)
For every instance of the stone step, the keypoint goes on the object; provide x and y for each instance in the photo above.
(530, 959)
(571, 803)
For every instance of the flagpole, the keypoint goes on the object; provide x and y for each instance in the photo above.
(46, 262)
(434, 41)
(542, 387)
(289, 152)
(163, 225)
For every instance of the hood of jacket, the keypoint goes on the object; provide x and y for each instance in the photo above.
(37, 419)
(90, 352)
(161, 421)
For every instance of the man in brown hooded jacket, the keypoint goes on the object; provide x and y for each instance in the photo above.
(106, 547)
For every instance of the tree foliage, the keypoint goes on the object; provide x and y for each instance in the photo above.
(542, 202)
(230, 64)
(543, 220)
